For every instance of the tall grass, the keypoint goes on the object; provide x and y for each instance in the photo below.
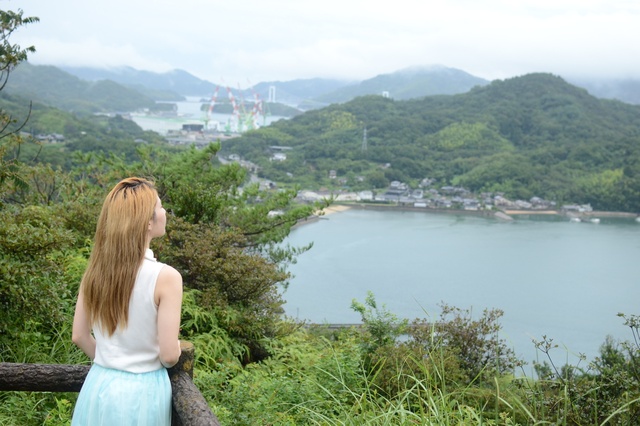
(329, 380)
(320, 382)
(314, 380)
(39, 347)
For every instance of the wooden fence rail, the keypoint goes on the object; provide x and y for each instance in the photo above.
(189, 406)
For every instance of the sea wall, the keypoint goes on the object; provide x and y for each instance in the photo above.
(388, 207)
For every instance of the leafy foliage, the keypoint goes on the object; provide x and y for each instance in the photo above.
(382, 328)
(36, 283)
(10, 56)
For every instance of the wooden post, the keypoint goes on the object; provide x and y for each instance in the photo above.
(189, 406)
(187, 358)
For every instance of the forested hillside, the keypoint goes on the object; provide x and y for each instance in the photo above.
(60, 134)
(54, 87)
(534, 135)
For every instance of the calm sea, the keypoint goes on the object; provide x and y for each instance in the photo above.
(551, 277)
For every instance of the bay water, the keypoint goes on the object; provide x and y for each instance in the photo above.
(189, 111)
(551, 277)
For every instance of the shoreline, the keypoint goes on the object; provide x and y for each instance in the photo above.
(321, 214)
(570, 214)
(362, 206)
(499, 214)
(334, 208)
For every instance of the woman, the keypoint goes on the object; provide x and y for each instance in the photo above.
(127, 315)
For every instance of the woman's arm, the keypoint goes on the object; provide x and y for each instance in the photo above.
(81, 334)
(169, 299)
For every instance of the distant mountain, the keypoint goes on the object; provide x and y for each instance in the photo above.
(54, 87)
(172, 85)
(175, 81)
(625, 90)
(409, 83)
(303, 94)
(300, 93)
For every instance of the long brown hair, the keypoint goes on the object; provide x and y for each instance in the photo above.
(119, 248)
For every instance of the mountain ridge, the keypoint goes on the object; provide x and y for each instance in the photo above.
(408, 83)
(53, 86)
(302, 94)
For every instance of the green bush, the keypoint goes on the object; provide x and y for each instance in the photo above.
(38, 276)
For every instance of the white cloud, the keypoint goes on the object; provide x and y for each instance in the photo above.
(353, 39)
(92, 53)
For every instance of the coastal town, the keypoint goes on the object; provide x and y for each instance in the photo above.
(450, 199)
(428, 197)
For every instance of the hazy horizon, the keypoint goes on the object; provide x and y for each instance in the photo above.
(252, 41)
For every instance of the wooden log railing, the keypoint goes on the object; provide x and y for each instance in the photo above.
(189, 406)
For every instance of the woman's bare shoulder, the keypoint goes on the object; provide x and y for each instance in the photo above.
(169, 274)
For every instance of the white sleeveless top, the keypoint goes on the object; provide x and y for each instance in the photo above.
(136, 348)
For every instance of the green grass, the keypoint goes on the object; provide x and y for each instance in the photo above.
(316, 378)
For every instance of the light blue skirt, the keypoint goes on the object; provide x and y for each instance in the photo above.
(118, 398)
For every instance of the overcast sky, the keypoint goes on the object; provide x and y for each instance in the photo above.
(245, 42)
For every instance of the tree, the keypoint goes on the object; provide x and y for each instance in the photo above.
(480, 351)
(10, 56)
(382, 327)
(225, 237)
